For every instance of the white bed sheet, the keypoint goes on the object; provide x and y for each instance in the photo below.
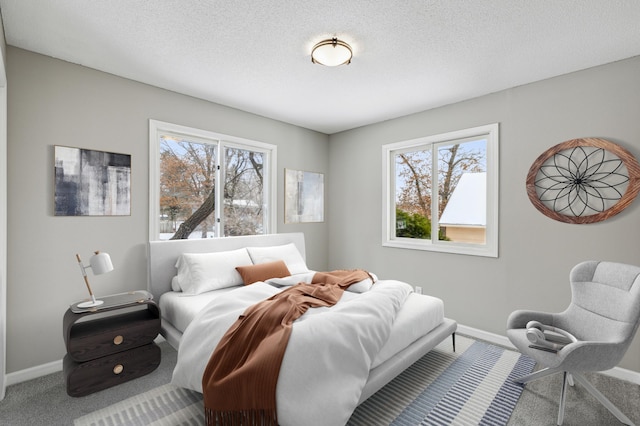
(418, 316)
(179, 309)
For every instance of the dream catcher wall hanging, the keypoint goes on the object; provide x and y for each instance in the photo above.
(583, 180)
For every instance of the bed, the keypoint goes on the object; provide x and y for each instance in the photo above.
(416, 327)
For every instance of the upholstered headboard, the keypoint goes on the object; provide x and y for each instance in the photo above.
(162, 255)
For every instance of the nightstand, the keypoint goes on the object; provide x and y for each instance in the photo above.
(111, 343)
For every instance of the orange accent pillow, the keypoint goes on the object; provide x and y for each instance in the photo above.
(263, 271)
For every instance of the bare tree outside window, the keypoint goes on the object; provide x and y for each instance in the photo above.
(243, 192)
(414, 183)
(188, 171)
(440, 192)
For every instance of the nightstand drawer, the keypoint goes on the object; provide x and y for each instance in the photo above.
(102, 373)
(96, 338)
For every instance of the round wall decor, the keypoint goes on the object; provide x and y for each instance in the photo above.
(583, 180)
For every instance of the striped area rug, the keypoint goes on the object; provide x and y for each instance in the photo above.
(166, 405)
(472, 386)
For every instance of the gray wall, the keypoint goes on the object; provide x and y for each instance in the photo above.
(3, 206)
(536, 253)
(56, 103)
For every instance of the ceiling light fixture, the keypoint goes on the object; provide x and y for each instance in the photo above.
(331, 52)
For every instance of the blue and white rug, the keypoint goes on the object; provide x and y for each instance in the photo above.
(472, 386)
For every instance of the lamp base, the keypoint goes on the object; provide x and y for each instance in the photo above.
(90, 304)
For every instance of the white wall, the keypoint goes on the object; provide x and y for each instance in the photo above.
(536, 253)
(57, 103)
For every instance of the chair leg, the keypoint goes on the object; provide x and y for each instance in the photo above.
(603, 399)
(537, 375)
(566, 378)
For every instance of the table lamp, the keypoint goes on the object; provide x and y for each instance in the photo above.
(100, 263)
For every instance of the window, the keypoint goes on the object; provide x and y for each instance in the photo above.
(207, 185)
(441, 192)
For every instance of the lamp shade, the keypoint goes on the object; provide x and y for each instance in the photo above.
(101, 263)
(331, 52)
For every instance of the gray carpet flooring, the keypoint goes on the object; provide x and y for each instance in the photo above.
(44, 401)
(538, 404)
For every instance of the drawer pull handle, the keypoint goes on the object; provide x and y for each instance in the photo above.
(118, 340)
(118, 369)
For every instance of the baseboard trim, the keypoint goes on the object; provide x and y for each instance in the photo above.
(496, 339)
(44, 369)
(33, 372)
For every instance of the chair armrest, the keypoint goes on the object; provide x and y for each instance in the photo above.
(520, 318)
(591, 356)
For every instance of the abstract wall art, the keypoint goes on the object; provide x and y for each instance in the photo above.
(304, 196)
(91, 183)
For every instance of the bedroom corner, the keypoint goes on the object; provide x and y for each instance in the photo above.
(3, 211)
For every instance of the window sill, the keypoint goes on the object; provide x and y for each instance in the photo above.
(443, 247)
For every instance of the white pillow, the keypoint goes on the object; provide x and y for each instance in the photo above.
(364, 285)
(175, 284)
(359, 287)
(201, 272)
(288, 253)
(183, 275)
(304, 277)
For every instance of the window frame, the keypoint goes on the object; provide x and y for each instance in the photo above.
(157, 128)
(490, 132)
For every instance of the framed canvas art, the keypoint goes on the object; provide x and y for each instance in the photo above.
(91, 183)
(304, 196)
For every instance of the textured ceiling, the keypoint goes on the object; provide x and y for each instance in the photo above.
(409, 55)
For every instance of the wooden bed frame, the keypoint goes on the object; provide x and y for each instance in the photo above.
(162, 257)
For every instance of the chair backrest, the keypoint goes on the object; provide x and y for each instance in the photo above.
(605, 304)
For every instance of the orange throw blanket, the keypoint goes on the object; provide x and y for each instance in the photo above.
(239, 383)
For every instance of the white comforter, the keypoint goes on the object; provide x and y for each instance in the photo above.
(328, 357)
